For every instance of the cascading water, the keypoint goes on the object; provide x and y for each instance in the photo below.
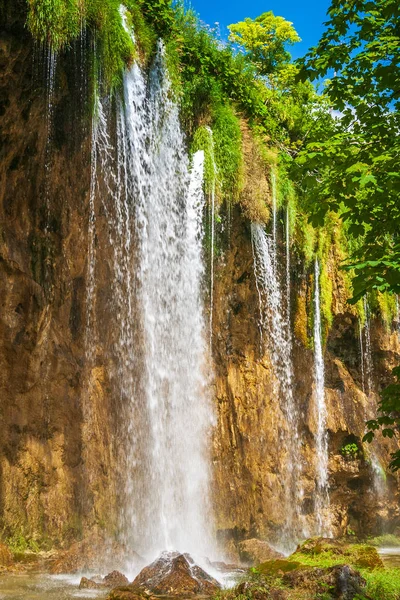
(287, 231)
(278, 342)
(168, 480)
(368, 363)
(322, 501)
(212, 240)
(367, 371)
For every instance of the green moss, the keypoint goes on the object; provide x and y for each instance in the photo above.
(55, 22)
(275, 567)
(203, 140)
(58, 23)
(228, 151)
(19, 544)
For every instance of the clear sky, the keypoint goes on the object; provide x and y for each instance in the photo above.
(306, 15)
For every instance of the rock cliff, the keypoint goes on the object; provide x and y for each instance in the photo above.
(61, 435)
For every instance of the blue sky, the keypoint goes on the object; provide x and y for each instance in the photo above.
(307, 16)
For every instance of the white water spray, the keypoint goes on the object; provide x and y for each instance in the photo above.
(322, 501)
(169, 474)
(278, 342)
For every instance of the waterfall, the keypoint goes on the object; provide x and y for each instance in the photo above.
(398, 315)
(288, 266)
(276, 335)
(322, 501)
(360, 334)
(212, 243)
(274, 219)
(367, 371)
(167, 504)
(369, 367)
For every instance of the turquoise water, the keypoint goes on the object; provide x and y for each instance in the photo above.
(390, 556)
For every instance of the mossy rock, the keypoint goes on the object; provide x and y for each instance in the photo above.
(315, 546)
(278, 566)
(366, 557)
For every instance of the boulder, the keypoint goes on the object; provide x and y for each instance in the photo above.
(90, 584)
(256, 551)
(115, 579)
(341, 582)
(319, 545)
(174, 574)
(112, 580)
(6, 557)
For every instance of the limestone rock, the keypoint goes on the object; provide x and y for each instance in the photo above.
(112, 580)
(319, 544)
(6, 557)
(93, 554)
(115, 579)
(256, 551)
(175, 574)
(90, 584)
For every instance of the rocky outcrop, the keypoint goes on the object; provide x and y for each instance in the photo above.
(112, 580)
(175, 574)
(255, 551)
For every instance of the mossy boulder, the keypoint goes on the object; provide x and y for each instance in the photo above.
(340, 582)
(255, 552)
(278, 567)
(321, 545)
(366, 557)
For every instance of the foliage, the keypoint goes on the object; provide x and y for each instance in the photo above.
(18, 543)
(350, 161)
(353, 167)
(265, 39)
(58, 23)
(350, 451)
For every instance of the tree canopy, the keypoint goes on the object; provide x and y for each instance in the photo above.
(265, 39)
(352, 166)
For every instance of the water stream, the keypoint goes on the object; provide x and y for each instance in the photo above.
(169, 478)
(277, 341)
(321, 500)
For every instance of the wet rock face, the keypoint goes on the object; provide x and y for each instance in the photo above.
(249, 492)
(175, 574)
(6, 558)
(95, 554)
(256, 551)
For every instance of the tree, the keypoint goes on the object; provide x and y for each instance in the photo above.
(353, 167)
(264, 40)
